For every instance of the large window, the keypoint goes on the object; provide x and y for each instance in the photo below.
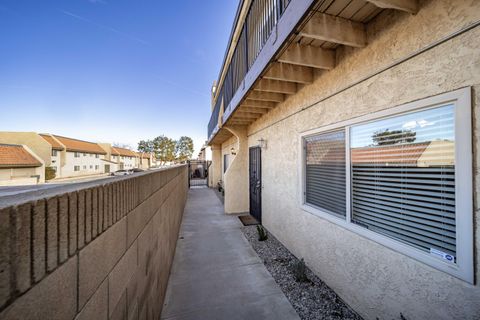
(402, 178)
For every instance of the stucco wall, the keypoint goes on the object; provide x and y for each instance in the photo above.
(21, 176)
(227, 146)
(87, 160)
(375, 280)
(235, 179)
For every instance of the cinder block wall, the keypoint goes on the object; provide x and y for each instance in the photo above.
(103, 252)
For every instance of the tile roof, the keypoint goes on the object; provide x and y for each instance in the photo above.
(123, 152)
(12, 155)
(394, 154)
(80, 145)
(54, 143)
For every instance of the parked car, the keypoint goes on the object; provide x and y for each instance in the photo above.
(136, 170)
(121, 173)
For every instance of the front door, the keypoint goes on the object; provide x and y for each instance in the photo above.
(107, 168)
(256, 183)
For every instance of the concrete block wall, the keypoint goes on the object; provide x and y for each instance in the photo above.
(102, 252)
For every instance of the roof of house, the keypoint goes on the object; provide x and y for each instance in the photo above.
(399, 154)
(80, 145)
(14, 156)
(53, 142)
(123, 152)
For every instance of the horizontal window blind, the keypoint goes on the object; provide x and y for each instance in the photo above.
(403, 178)
(325, 172)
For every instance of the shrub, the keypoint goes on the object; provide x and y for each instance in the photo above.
(299, 271)
(262, 233)
(49, 173)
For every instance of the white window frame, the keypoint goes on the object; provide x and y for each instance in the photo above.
(461, 99)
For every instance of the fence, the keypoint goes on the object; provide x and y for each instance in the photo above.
(103, 251)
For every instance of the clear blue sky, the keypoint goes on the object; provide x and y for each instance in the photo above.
(111, 70)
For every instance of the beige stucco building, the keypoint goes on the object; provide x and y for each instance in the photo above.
(143, 160)
(350, 128)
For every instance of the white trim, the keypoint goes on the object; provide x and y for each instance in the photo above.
(461, 99)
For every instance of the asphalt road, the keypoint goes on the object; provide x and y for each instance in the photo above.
(15, 190)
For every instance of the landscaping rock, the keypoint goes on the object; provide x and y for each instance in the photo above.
(312, 299)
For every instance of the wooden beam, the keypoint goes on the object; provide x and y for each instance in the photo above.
(335, 29)
(253, 110)
(246, 115)
(309, 56)
(241, 122)
(266, 96)
(267, 85)
(238, 121)
(233, 123)
(258, 104)
(410, 6)
(290, 73)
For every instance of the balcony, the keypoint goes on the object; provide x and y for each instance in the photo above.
(261, 19)
(277, 47)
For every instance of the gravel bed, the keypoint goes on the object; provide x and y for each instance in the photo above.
(312, 299)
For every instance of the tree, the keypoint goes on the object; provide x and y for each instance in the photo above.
(164, 148)
(184, 148)
(145, 146)
(389, 137)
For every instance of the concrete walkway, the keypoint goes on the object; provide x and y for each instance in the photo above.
(215, 273)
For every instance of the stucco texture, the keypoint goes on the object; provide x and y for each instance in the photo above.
(375, 280)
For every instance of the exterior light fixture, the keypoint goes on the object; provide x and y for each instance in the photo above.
(262, 143)
(233, 152)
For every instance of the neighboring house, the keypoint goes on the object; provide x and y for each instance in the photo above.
(205, 153)
(110, 162)
(57, 156)
(345, 127)
(41, 147)
(20, 166)
(125, 158)
(81, 157)
(143, 160)
(67, 156)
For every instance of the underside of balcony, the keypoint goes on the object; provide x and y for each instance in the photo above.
(300, 47)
